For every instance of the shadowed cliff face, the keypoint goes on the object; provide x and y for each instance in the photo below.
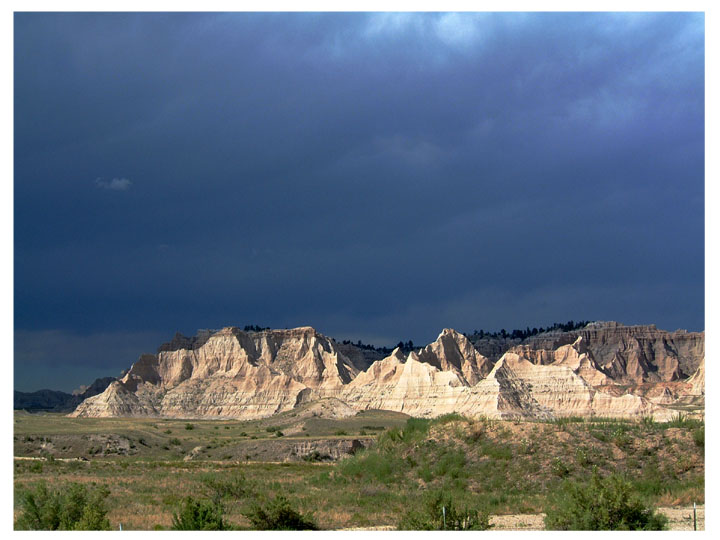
(237, 374)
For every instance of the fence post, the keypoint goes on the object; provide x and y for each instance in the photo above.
(694, 517)
(444, 524)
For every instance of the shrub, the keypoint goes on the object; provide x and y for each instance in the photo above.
(451, 463)
(699, 436)
(370, 465)
(603, 504)
(71, 508)
(189, 426)
(559, 468)
(440, 512)
(279, 515)
(649, 422)
(227, 485)
(682, 420)
(315, 456)
(199, 515)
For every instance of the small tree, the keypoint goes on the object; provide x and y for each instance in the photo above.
(71, 508)
(279, 515)
(199, 515)
(603, 504)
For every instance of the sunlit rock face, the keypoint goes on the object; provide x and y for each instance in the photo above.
(231, 373)
(236, 374)
(696, 383)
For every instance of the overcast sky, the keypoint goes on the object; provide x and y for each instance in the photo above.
(376, 176)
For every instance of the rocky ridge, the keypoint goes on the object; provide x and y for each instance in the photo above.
(603, 369)
(57, 401)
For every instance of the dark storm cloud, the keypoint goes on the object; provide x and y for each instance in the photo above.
(378, 176)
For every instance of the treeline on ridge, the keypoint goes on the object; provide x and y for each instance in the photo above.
(477, 334)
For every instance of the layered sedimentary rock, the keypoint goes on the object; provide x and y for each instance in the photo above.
(559, 389)
(232, 374)
(696, 383)
(637, 354)
(235, 374)
(453, 352)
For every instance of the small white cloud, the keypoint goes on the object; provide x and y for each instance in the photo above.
(116, 184)
(461, 29)
(389, 23)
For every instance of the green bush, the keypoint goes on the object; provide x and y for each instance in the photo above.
(560, 468)
(451, 463)
(199, 515)
(602, 504)
(370, 465)
(279, 515)
(440, 512)
(226, 485)
(71, 508)
(699, 437)
(189, 426)
(681, 420)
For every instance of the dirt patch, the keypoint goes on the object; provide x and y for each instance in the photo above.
(518, 522)
(680, 519)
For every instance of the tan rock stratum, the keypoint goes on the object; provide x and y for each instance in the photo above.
(235, 374)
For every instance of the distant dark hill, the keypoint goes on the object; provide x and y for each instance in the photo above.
(57, 401)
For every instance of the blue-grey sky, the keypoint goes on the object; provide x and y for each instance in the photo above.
(376, 176)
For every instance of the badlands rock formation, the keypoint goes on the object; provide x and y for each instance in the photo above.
(634, 354)
(235, 374)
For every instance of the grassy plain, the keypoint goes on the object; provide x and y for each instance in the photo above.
(508, 467)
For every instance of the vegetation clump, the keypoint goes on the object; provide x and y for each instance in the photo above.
(602, 504)
(73, 507)
(199, 515)
(440, 512)
(279, 515)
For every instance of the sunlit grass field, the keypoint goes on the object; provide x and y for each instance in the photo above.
(507, 467)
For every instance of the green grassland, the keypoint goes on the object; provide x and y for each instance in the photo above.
(506, 467)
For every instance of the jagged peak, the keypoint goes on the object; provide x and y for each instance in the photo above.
(397, 353)
(452, 334)
(412, 357)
